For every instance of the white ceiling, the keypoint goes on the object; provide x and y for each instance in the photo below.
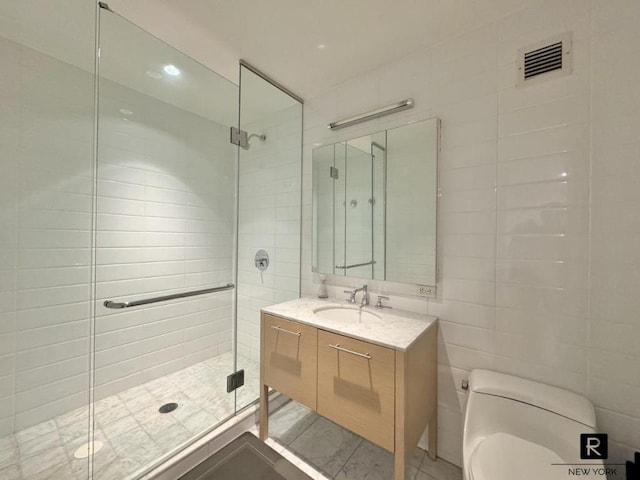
(281, 37)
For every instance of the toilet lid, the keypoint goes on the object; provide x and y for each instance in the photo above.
(505, 457)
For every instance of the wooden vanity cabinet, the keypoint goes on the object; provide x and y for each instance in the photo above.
(288, 363)
(357, 385)
(385, 395)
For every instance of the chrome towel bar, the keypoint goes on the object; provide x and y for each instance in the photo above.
(146, 301)
(344, 267)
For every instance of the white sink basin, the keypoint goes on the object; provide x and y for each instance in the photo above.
(340, 313)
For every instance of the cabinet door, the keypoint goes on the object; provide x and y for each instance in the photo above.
(289, 358)
(356, 386)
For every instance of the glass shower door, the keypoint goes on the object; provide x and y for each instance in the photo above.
(269, 213)
(46, 194)
(166, 179)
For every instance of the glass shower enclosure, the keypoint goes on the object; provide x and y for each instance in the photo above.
(132, 223)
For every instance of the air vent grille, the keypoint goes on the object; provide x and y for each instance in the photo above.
(543, 60)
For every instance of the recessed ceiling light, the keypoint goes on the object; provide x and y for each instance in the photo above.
(171, 70)
(322, 46)
(152, 74)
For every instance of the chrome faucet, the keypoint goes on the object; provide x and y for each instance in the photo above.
(352, 295)
(365, 295)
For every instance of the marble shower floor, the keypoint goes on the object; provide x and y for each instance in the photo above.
(134, 433)
(324, 450)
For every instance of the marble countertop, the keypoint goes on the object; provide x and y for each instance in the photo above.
(396, 329)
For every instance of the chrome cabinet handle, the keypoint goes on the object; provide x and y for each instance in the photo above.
(284, 330)
(341, 349)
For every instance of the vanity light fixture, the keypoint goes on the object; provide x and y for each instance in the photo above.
(378, 112)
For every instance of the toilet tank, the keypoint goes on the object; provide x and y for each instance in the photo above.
(543, 414)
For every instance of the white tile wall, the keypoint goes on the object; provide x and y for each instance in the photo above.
(46, 133)
(269, 219)
(165, 221)
(538, 220)
(613, 353)
(165, 224)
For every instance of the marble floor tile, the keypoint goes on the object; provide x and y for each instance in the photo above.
(157, 425)
(46, 441)
(10, 473)
(119, 427)
(316, 446)
(129, 424)
(423, 476)
(286, 424)
(35, 432)
(8, 456)
(74, 416)
(58, 472)
(368, 462)
(441, 469)
(71, 431)
(147, 414)
(136, 398)
(162, 390)
(171, 437)
(326, 445)
(185, 409)
(7, 442)
(109, 410)
(45, 460)
(137, 446)
(198, 421)
(417, 458)
(107, 403)
(120, 468)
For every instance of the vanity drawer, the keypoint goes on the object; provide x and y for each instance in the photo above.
(289, 358)
(356, 386)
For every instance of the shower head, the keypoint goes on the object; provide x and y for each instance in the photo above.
(261, 136)
(241, 137)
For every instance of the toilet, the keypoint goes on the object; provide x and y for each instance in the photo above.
(516, 428)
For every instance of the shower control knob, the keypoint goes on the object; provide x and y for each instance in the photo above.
(261, 260)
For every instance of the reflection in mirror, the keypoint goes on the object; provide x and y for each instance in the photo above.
(374, 205)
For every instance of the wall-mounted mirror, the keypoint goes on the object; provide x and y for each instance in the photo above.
(374, 205)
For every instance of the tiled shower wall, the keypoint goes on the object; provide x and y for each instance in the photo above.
(538, 219)
(46, 188)
(165, 225)
(269, 219)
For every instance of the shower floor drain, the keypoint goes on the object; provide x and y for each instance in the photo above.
(88, 449)
(168, 407)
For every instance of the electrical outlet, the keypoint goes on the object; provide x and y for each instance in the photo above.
(422, 290)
